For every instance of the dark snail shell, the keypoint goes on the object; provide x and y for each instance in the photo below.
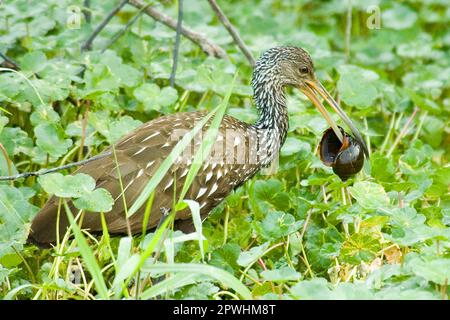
(346, 158)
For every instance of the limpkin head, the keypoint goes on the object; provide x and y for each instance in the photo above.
(292, 66)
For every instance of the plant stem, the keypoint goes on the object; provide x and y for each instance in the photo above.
(176, 46)
(47, 171)
(232, 31)
(403, 132)
(366, 126)
(83, 129)
(88, 44)
(225, 228)
(348, 30)
(389, 133)
(419, 127)
(205, 44)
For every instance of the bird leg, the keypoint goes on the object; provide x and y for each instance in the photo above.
(165, 214)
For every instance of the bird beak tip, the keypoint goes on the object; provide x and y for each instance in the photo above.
(313, 89)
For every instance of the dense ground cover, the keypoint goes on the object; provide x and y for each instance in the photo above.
(299, 233)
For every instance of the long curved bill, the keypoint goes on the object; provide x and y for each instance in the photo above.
(314, 90)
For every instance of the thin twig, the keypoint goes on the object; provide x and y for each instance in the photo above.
(308, 217)
(9, 61)
(127, 26)
(83, 129)
(205, 44)
(419, 127)
(8, 161)
(47, 171)
(389, 133)
(176, 46)
(87, 11)
(348, 30)
(403, 132)
(88, 44)
(116, 36)
(232, 31)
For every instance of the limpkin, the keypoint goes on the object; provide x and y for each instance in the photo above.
(246, 149)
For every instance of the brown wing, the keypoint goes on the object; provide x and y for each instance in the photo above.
(139, 155)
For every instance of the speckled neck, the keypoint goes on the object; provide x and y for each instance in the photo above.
(273, 122)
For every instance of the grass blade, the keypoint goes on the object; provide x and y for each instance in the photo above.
(151, 246)
(88, 256)
(197, 219)
(28, 81)
(177, 281)
(220, 275)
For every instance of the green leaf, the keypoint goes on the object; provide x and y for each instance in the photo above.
(15, 141)
(3, 122)
(398, 17)
(294, 146)
(67, 186)
(369, 195)
(126, 74)
(359, 247)
(277, 224)
(248, 257)
(407, 218)
(375, 221)
(34, 61)
(220, 275)
(318, 288)
(153, 98)
(382, 167)
(99, 79)
(436, 270)
(357, 86)
(51, 139)
(281, 275)
(226, 257)
(433, 131)
(408, 228)
(271, 192)
(44, 113)
(121, 127)
(15, 213)
(201, 291)
(10, 85)
(312, 289)
(99, 200)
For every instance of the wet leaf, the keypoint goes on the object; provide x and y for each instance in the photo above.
(369, 195)
(277, 224)
(226, 257)
(281, 275)
(51, 139)
(248, 257)
(399, 17)
(357, 86)
(67, 186)
(99, 200)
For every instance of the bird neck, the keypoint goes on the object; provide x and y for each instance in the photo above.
(273, 122)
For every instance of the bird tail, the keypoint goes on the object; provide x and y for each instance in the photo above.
(44, 226)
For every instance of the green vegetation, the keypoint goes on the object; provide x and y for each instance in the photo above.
(298, 234)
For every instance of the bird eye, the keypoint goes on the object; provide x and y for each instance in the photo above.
(304, 70)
